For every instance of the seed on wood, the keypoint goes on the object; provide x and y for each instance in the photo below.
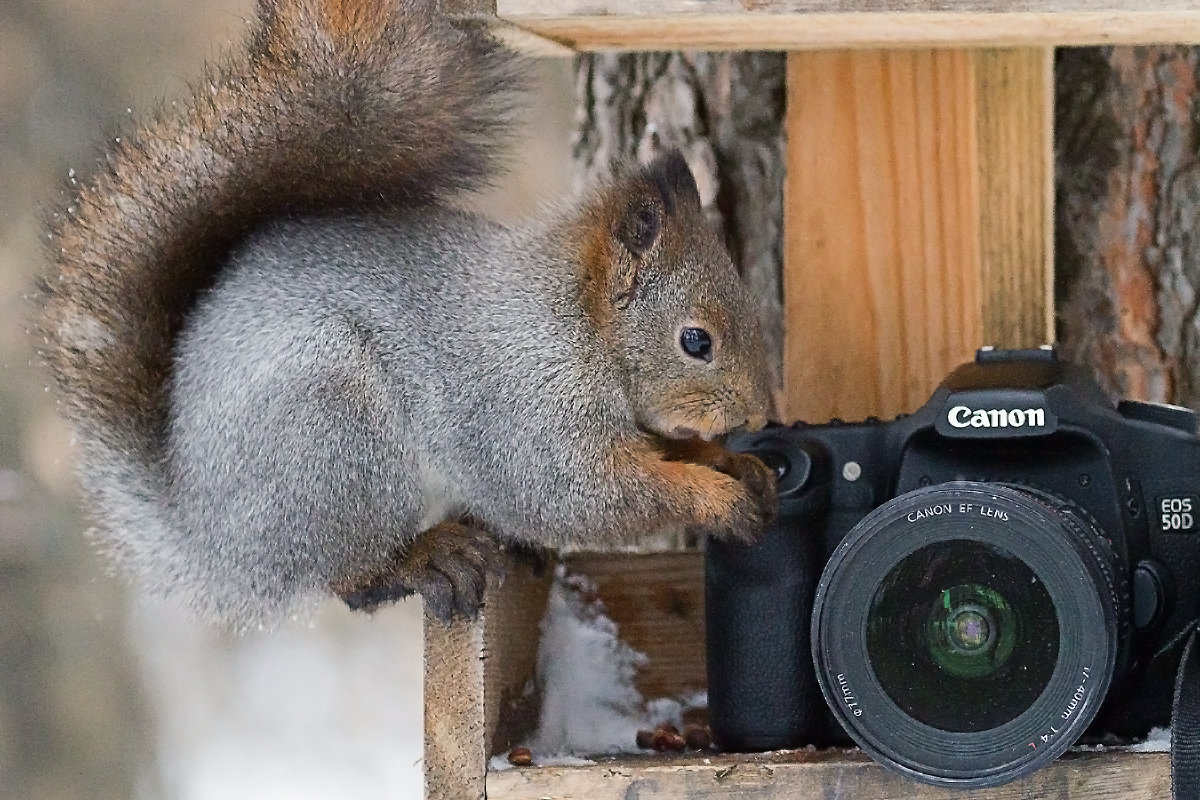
(520, 757)
(698, 737)
(666, 740)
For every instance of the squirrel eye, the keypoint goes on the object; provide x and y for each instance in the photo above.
(696, 343)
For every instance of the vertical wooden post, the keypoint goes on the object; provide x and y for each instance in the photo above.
(455, 758)
(917, 220)
(1015, 89)
(474, 671)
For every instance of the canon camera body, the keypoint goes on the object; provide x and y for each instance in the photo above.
(966, 586)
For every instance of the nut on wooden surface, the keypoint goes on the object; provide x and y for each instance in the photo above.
(520, 757)
(698, 737)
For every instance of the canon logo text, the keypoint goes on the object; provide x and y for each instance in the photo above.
(964, 417)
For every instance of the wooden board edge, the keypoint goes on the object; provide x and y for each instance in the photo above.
(1129, 776)
(455, 758)
(522, 40)
(512, 638)
(801, 31)
(472, 670)
(528, 41)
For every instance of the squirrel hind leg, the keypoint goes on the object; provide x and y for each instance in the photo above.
(448, 565)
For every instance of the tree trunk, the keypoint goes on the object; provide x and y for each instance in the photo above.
(1128, 217)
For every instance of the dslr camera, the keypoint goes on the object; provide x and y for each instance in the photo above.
(966, 590)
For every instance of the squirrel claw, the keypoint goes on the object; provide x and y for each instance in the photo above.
(370, 598)
(755, 500)
(758, 479)
(447, 565)
(457, 578)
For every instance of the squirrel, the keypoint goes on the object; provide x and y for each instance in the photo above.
(293, 366)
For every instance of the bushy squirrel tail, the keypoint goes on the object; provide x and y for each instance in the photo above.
(333, 104)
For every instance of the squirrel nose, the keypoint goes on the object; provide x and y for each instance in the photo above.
(754, 422)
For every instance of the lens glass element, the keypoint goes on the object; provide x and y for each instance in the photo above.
(962, 635)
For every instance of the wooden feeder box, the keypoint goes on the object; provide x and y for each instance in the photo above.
(918, 225)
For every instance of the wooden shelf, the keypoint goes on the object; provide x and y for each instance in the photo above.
(477, 708)
(828, 24)
(802, 775)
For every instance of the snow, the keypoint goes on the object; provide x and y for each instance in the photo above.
(328, 708)
(1158, 741)
(585, 675)
(500, 763)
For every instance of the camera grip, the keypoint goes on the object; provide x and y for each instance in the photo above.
(762, 688)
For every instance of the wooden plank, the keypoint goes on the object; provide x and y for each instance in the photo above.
(514, 613)
(455, 751)
(828, 24)
(819, 776)
(1016, 221)
(475, 676)
(881, 264)
(750, 7)
(914, 178)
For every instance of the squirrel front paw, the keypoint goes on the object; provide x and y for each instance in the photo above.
(727, 508)
(756, 477)
(447, 565)
(747, 504)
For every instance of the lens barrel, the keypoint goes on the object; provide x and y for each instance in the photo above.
(966, 633)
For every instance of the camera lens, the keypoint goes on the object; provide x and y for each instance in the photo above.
(956, 622)
(966, 633)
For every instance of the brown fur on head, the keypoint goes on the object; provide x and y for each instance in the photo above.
(671, 305)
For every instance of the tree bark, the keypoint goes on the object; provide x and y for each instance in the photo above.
(1128, 217)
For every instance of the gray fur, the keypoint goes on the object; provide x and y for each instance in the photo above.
(351, 381)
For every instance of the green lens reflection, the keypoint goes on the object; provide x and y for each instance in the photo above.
(971, 631)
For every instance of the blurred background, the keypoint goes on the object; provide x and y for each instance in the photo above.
(104, 694)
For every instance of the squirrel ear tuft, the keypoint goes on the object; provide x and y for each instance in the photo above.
(651, 196)
(637, 230)
(671, 175)
(659, 188)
